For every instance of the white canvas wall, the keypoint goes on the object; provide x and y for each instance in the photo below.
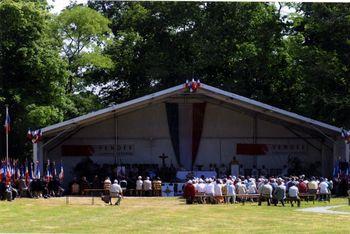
(147, 129)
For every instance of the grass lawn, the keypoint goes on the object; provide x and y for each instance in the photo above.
(164, 215)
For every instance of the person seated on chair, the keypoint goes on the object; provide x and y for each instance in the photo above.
(293, 194)
(218, 191)
(265, 192)
(23, 188)
(323, 189)
(279, 193)
(115, 192)
(209, 190)
(231, 192)
(302, 186)
(312, 186)
(189, 192)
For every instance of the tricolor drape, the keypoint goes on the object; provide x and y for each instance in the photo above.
(172, 110)
(185, 122)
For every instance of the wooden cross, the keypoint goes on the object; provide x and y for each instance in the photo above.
(163, 157)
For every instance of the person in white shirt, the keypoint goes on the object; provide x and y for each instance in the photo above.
(231, 192)
(265, 192)
(115, 192)
(240, 187)
(201, 187)
(147, 186)
(218, 191)
(209, 190)
(323, 189)
(217, 188)
(251, 188)
(312, 186)
(139, 184)
(293, 193)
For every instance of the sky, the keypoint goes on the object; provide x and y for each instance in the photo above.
(59, 5)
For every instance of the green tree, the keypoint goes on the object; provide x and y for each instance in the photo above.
(82, 33)
(319, 58)
(237, 46)
(32, 74)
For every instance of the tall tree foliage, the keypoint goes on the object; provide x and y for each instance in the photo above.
(237, 46)
(32, 74)
(82, 32)
(319, 52)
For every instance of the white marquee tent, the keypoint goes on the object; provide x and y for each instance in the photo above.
(197, 128)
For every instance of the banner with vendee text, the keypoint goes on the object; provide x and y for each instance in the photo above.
(98, 150)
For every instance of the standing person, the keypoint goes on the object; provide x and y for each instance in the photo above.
(84, 184)
(115, 192)
(147, 187)
(139, 184)
(107, 185)
(157, 187)
(255, 172)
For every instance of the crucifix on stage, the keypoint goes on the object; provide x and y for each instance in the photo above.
(163, 157)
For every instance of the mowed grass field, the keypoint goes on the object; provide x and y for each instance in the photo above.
(164, 215)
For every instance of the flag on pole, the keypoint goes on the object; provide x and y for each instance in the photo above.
(7, 124)
(2, 172)
(27, 173)
(37, 170)
(8, 174)
(61, 175)
(31, 171)
(48, 171)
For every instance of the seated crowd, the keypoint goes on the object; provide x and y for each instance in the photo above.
(142, 187)
(272, 190)
(32, 188)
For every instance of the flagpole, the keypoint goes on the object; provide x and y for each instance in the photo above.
(7, 137)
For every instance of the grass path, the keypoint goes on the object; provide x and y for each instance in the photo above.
(164, 215)
(325, 210)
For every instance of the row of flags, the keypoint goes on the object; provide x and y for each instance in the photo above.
(14, 170)
(35, 136)
(345, 135)
(341, 168)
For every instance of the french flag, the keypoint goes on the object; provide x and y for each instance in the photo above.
(2, 172)
(61, 175)
(48, 171)
(8, 175)
(7, 122)
(37, 170)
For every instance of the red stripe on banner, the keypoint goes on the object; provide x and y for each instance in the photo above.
(77, 150)
(252, 149)
(198, 121)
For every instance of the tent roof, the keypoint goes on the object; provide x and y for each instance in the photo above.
(207, 90)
